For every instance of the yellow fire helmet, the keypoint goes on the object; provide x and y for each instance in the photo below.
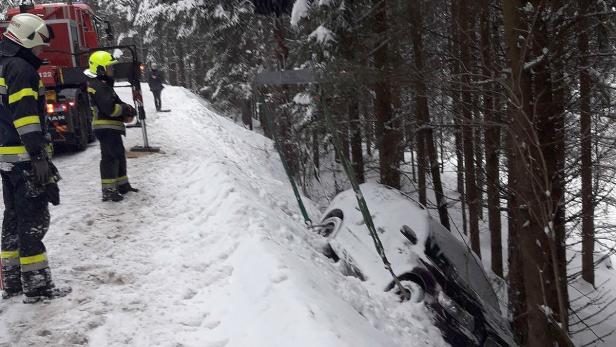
(99, 61)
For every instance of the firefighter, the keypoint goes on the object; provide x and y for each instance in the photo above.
(155, 81)
(28, 176)
(110, 114)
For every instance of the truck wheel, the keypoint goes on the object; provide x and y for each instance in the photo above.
(81, 134)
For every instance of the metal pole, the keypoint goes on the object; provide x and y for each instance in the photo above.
(146, 144)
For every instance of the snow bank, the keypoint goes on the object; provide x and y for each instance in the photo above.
(211, 252)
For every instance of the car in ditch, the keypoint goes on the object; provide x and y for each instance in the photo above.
(435, 266)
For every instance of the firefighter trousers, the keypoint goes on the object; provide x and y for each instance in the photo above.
(26, 221)
(113, 159)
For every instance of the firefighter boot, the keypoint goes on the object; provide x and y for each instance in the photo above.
(126, 187)
(47, 294)
(112, 194)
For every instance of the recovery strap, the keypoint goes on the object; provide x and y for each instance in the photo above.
(283, 158)
(363, 207)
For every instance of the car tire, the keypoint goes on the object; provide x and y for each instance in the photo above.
(329, 226)
(413, 283)
(418, 293)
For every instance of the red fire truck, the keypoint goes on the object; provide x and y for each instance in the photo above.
(78, 32)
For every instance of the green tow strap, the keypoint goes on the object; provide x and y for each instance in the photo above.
(363, 207)
(283, 158)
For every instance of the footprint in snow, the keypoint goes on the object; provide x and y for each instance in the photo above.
(189, 294)
(279, 277)
(212, 324)
(192, 321)
(43, 333)
(95, 323)
(217, 275)
(110, 277)
(221, 343)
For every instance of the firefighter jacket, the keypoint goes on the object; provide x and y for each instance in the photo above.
(107, 107)
(22, 98)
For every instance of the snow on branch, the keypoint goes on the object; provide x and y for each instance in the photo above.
(300, 10)
(322, 35)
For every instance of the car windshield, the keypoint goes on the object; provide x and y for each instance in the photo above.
(469, 269)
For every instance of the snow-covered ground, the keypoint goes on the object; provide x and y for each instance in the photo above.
(211, 252)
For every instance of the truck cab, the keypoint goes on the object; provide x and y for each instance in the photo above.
(77, 32)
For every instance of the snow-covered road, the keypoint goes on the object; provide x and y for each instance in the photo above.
(211, 252)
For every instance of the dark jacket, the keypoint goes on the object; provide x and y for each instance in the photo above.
(155, 80)
(107, 107)
(22, 98)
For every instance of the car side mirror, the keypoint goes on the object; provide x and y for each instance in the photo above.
(409, 234)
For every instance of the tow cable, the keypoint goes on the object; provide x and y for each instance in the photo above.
(305, 77)
(279, 149)
(405, 293)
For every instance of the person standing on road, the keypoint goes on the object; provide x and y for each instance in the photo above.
(28, 176)
(110, 114)
(155, 81)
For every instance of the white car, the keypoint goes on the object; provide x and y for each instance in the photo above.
(437, 268)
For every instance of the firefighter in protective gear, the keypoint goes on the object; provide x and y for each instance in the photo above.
(28, 176)
(110, 113)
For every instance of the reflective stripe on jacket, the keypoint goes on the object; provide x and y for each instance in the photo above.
(107, 107)
(16, 154)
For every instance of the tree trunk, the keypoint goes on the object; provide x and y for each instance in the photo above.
(559, 155)
(423, 112)
(343, 127)
(315, 151)
(547, 137)
(472, 197)
(368, 126)
(357, 156)
(422, 167)
(454, 48)
(389, 141)
(170, 62)
(181, 67)
(479, 146)
(515, 274)
(492, 144)
(588, 240)
(524, 149)
(247, 113)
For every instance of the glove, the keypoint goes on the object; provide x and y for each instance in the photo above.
(53, 193)
(130, 111)
(130, 114)
(41, 169)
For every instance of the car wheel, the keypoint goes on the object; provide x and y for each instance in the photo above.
(329, 226)
(413, 283)
(416, 290)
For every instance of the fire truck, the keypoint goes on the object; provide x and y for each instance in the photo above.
(78, 32)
